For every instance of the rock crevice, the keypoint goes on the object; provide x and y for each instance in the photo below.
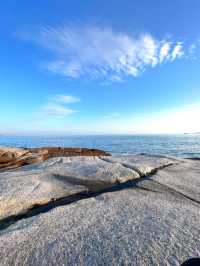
(71, 188)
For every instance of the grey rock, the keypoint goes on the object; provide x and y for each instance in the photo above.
(21, 190)
(151, 221)
(143, 164)
(183, 178)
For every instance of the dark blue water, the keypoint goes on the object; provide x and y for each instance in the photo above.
(173, 145)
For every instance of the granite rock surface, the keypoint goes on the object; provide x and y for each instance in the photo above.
(136, 210)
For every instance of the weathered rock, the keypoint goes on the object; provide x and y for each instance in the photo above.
(51, 152)
(56, 178)
(61, 177)
(184, 178)
(14, 157)
(10, 154)
(146, 223)
(143, 164)
(152, 220)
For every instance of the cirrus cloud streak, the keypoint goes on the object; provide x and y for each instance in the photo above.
(56, 107)
(101, 52)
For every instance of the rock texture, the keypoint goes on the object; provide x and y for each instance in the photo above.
(14, 157)
(143, 164)
(136, 210)
(57, 178)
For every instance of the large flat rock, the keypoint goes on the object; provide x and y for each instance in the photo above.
(39, 184)
(146, 224)
(183, 178)
(151, 220)
(143, 164)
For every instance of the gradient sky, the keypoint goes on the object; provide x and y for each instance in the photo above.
(96, 66)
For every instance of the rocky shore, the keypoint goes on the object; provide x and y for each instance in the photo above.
(15, 157)
(65, 206)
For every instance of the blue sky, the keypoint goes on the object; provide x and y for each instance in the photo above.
(99, 67)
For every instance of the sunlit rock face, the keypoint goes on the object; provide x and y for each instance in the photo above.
(57, 178)
(100, 210)
(15, 157)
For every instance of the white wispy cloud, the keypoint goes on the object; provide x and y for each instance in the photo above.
(56, 110)
(164, 51)
(101, 52)
(66, 99)
(56, 106)
(177, 51)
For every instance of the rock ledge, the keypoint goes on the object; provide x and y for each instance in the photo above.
(15, 157)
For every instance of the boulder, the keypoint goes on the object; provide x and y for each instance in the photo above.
(10, 154)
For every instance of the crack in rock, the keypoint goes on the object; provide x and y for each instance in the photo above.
(141, 170)
(91, 191)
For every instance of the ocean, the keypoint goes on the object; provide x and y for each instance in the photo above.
(170, 145)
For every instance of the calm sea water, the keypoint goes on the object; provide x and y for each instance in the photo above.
(173, 145)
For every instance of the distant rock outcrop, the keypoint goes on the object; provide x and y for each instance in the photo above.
(15, 157)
